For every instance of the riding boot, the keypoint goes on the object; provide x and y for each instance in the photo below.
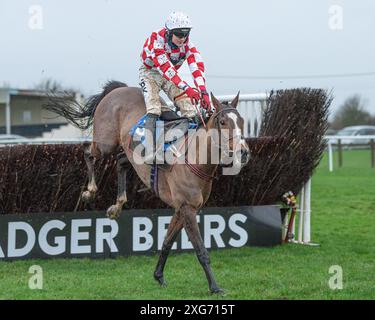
(150, 125)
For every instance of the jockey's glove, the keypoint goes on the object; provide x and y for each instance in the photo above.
(193, 95)
(205, 101)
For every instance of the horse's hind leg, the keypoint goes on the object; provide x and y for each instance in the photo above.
(173, 230)
(113, 211)
(89, 195)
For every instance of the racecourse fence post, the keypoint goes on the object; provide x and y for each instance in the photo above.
(340, 153)
(330, 156)
(372, 153)
(307, 215)
(293, 228)
(301, 217)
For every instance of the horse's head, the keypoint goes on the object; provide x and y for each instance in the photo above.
(230, 126)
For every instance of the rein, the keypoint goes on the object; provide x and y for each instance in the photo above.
(181, 96)
(198, 172)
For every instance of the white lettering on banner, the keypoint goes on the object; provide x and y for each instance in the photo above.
(13, 227)
(60, 242)
(76, 236)
(22, 239)
(162, 231)
(108, 237)
(237, 229)
(185, 242)
(2, 255)
(213, 232)
(143, 240)
(139, 234)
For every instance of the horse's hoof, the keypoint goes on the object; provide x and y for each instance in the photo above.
(87, 196)
(218, 291)
(161, 281)
(113, 212)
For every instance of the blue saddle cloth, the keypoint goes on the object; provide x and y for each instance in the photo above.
(138, 130)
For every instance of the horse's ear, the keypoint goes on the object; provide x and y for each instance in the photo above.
(216, 103)
(234, 102)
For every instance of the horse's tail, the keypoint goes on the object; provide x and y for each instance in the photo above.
(81, 116)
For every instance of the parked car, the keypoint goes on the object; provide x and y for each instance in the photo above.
(356, 131)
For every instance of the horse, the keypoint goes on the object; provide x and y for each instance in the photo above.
(186, 187)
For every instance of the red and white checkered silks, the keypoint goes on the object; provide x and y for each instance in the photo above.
(157, 53)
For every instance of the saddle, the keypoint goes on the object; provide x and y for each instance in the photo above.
(171, 130)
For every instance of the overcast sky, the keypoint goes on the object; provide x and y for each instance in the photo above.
(84, 43)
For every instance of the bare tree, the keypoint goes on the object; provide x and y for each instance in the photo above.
(51, 85)
(352, 112)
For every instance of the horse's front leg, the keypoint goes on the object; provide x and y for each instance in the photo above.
(191, 226)
(173, 230)
(113, 212)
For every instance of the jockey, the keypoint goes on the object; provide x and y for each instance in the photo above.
(163, 54)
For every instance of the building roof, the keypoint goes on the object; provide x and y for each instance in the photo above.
(6, 92)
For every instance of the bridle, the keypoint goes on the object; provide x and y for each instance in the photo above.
(218, 126)
(194, 168)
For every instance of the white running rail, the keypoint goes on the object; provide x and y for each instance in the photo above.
(251, 106)
(345, 140)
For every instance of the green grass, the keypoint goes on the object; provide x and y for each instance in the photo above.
(343, 223)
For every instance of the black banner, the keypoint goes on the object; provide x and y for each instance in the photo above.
(91, 234)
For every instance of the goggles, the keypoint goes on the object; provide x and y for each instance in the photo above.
(181, 33)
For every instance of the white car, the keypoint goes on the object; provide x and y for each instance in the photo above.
(355, 131)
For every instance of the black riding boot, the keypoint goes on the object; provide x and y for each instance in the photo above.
(150, 125)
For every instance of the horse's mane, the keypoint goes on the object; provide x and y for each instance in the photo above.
(80, 115)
